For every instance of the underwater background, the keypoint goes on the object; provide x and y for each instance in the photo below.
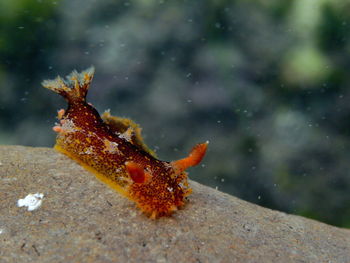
(266, 82)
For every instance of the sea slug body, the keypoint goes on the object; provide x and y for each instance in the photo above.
(113, 149)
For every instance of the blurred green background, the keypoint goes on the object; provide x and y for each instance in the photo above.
(266, 82)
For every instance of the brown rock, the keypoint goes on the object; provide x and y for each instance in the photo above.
(82, 220)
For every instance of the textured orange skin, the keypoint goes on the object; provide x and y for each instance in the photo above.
(100, 148)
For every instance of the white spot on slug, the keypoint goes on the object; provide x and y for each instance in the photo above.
(127, 135)
(88, 150)
(111, 147)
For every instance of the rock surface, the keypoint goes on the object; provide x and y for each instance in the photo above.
(82, 220)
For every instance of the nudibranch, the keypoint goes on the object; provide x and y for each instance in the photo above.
(113, 149)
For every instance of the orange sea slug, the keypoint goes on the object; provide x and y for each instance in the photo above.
(112, 148)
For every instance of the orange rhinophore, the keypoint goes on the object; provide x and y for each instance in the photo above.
(113, 149)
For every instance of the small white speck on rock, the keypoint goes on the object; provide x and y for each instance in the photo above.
(32, 201)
